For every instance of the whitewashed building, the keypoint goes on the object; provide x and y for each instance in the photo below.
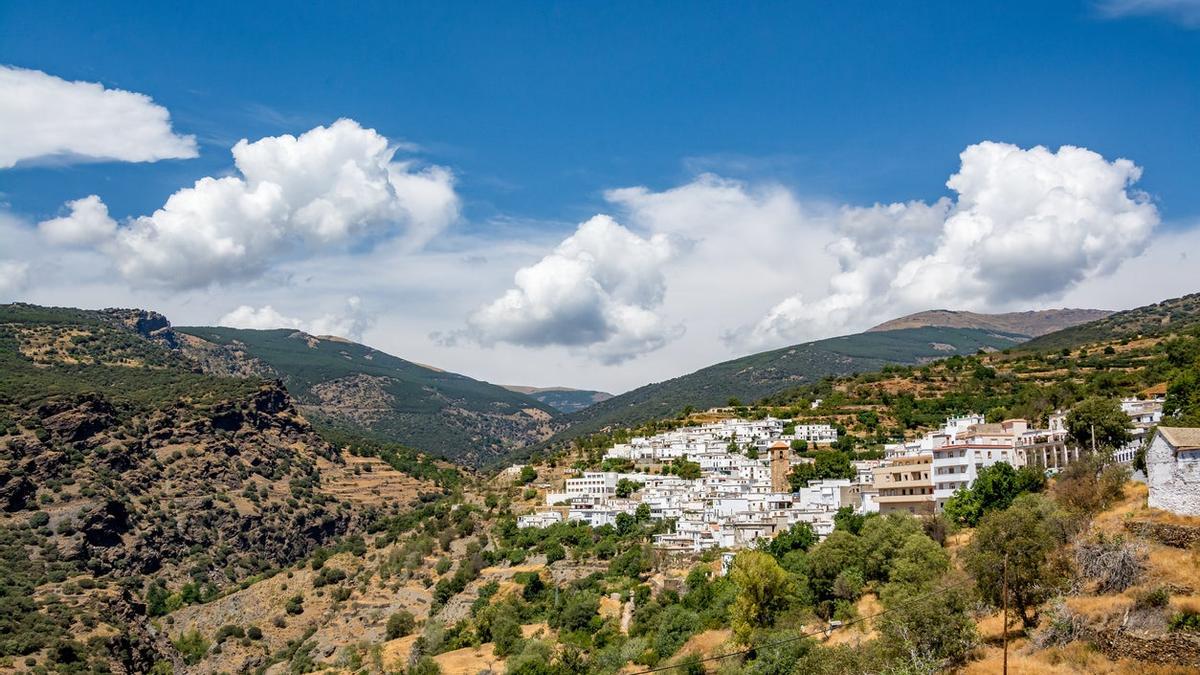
(1173, 470)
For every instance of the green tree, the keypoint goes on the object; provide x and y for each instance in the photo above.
(577, 612)
(799, 537)
(848, 521)
(192, 646)
(763, 591)
(927, 630)
(687, 470)
(1101, 416)
(995, 488)
(400, 624)
(1182, 406)
(626, 487)
(642, 513)
(505, 629)
(1026, 535)
(840, 551)
(528, 475)
(675, 625)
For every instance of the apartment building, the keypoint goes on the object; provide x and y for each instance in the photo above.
(906, 484)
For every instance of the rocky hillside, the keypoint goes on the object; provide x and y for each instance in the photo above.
(1031, 324)
(132, 483)
(342, 384)
(563, 399)
(1160, 318)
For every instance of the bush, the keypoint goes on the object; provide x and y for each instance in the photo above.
(254, 633)
(1159, 596)
(192, 646)
(295, 605)
(1187, 619)
(328, 575)
(228, 631)
(400, 624)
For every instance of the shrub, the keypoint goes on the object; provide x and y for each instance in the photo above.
(1186, 619)
(227, 631)
(192, 646)
(328, 575)
(295, 604)
(400, 624)
(254, 633)
(1159, 596)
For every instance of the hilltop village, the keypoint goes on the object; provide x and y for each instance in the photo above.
(732, 482)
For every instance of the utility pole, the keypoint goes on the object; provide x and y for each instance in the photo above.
(1004, 602)
(1093, 439)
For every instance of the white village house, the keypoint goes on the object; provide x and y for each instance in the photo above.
(1173, 470)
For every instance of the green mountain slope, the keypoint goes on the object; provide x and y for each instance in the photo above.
(563, 399)
(758, 375)
(344, 384)
(1163, 317)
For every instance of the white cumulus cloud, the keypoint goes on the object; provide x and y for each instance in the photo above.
(351, 323)
(324, 188)
(1026, 225)
(87, 224)
(596, 293)
(43, 116)
(13, 278)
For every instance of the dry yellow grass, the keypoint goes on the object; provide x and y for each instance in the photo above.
(1074, 659)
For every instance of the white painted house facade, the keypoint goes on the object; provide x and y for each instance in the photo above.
(1173, 470)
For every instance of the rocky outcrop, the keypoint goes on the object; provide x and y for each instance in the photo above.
(77, 419)
(150, 325)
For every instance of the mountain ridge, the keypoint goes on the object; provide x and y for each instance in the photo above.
(762, 374)
(564, 399)
(343, 384)
(1032, 323)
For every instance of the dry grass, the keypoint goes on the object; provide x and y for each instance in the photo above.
(1072, 659)
(860, 632)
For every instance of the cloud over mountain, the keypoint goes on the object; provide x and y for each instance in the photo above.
(1025, 225)
(596, 292)
(351, 323)
(43, 116)
(324, 188)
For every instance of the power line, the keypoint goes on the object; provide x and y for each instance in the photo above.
(919, 598)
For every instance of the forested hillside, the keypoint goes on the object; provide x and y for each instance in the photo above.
(758, 375)
(346, 385)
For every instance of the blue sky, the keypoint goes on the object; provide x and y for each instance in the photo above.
(539, 108)
(542, 105)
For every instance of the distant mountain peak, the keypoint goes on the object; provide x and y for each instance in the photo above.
(1031, 323)
(563, 399)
